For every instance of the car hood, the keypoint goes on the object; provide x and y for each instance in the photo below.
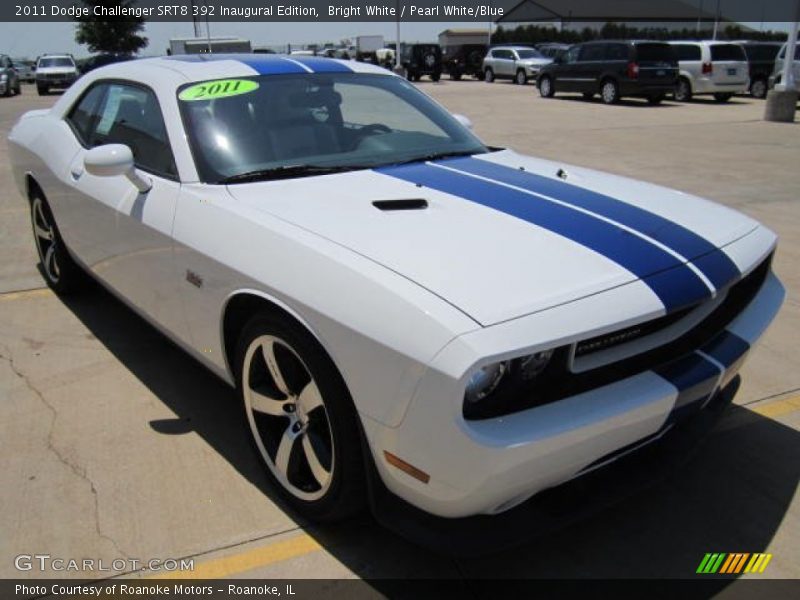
(502, 235)
(536, 62)
(57, 70)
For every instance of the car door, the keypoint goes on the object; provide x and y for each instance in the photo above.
(567, 71)
(589, 67)
(690, 61)
(130, 231)
(504, 63)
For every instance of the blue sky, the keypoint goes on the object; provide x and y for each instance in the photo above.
(32, 39)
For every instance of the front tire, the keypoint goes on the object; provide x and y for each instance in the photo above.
(721, 98)
(758, 89)
(301, 419)
(655, 100)
(60, 272)
(546, 87)
(521, 77)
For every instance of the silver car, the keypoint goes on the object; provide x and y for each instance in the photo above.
(518, 63)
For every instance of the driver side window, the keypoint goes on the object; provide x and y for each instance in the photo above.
(119, 113)
(572, 55)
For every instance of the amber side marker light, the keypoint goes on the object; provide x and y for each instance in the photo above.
(406, 468)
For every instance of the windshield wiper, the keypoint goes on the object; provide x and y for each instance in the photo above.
(286, 171)
(438, 156)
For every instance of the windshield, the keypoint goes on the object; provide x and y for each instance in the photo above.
(56, 62)
(279, 123)
(523, 54)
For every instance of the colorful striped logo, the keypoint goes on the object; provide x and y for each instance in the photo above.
(734, 563)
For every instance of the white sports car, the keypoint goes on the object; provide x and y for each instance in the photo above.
(387, 293)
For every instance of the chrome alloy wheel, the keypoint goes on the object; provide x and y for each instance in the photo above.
(46, 241)
(288, 418)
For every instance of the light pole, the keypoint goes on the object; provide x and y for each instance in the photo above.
(782, 101)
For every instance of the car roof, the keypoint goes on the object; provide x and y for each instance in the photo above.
(200, 67)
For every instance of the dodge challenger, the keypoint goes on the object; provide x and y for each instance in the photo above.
(384, 290)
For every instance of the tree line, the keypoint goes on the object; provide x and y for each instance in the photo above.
(535, 34)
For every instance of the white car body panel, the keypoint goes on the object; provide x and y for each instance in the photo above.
(409, 304)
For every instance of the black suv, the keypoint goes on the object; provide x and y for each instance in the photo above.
(466, 59)
(761, 60)
(422, 59)
(613, 69)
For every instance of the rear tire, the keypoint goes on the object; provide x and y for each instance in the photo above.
(60, 272)
(546, 87)
(42, 90)
(301, 419)
(609, 91)
(655, 100)
(488, 76)
(436, 77)
(721, 98)
(455, 76)
(683, 90)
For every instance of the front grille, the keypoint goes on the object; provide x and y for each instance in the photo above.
(629, 334)
(557, 382)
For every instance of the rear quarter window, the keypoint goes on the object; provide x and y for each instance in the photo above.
(655, 53)
(727, 52)
(687, 51)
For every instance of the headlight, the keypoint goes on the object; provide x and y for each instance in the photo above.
(4, 77)
(510, 375)
(484, 381)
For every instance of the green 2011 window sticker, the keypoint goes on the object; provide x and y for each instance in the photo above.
(221, 88)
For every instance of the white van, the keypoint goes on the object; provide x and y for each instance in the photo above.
(777, 73)
(709, 67)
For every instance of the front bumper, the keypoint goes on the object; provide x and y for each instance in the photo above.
(492, 465)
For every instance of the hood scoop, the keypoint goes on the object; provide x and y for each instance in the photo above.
(409, 204)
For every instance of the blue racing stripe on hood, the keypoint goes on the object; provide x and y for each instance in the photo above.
(673, 282)
(716, 265)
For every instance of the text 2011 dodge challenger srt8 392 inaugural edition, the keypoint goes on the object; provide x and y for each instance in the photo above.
(380, 286)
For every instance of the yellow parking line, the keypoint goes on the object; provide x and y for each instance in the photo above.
(778, 408)
(36, 293)
(246, 561)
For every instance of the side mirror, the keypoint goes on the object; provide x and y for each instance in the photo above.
(113, 160)
(463, 120)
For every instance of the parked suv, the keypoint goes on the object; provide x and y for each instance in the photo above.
(717, 68)
(777, 73)
(552, 49)
(55, 71)
(466, 59)
(614, 69)
(422, 59)
(761, 61)
(9, 78)
(518, 63)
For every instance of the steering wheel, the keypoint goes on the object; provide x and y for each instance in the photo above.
(374, 128)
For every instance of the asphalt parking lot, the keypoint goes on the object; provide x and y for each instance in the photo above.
(117, 445)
